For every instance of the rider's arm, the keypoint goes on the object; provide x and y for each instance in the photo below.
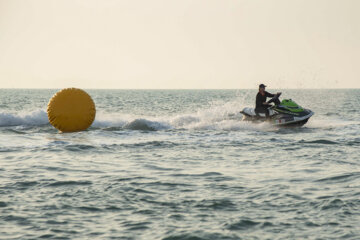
(269, 94)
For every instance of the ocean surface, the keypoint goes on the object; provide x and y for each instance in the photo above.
(180, 165)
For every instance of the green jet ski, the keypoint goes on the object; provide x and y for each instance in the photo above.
(286, 113)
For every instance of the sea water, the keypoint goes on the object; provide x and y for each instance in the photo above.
(180, 164)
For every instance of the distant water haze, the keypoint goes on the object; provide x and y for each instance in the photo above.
(179, 44)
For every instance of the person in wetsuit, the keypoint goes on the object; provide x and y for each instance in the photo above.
(261, 104)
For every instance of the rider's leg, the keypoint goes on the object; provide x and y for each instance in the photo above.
(257, 111)
(267, 113)
(262, 110)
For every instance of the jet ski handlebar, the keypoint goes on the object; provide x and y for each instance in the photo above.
(275, 98)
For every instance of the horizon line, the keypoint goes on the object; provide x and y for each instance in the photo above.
(345, 88)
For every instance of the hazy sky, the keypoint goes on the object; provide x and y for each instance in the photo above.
(179, 44)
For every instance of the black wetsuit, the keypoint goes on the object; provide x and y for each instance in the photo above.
(260, 106)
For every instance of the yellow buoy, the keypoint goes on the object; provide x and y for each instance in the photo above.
(71, 110)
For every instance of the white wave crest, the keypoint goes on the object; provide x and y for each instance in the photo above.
(128, 121)
(38, 117)
(217, 117)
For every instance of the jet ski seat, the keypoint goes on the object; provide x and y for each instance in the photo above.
(251, 112)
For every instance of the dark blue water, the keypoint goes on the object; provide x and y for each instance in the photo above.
(172, 164)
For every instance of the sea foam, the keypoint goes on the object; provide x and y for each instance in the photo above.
(38, 117)
(218, 117)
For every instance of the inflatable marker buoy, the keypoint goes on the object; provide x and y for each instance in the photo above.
(71, 110)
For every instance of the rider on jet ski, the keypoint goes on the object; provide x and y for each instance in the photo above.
(261, 104)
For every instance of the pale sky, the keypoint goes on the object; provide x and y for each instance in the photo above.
(179, 44)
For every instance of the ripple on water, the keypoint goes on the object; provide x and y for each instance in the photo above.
(319, 141)
(23, 185)
(244, 224)
(353, 143)
(68, 183)
(340, 178)
(79, 147)
(136, 226)
(216, 204)
(198, 235)
(168, 185)
(206, 174)
(332, 204)
(90, 209)
(6, 149)
(151, 144)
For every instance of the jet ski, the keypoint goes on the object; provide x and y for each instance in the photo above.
(286, 113)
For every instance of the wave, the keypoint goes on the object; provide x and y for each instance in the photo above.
(36, 118)
(220, 116)
(129, 122)
(319, 141)
(341, 178)
(216, 118)
(39, 118)
(226, 117)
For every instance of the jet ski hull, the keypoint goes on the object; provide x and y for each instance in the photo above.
(278, 119)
